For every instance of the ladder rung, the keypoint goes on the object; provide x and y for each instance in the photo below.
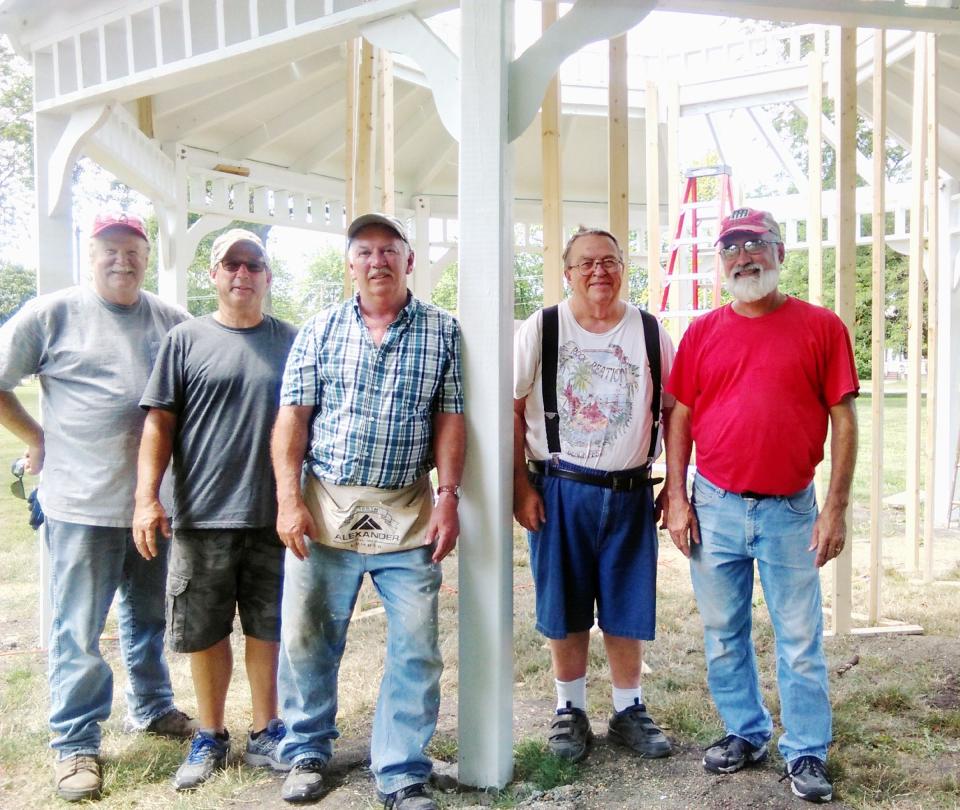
(702, 277)
(682, 313)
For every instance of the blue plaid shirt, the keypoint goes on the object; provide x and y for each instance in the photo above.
(373, 423)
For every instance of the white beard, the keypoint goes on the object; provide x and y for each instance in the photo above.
(752, 288)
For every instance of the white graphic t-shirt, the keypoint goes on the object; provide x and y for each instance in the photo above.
(603, 390)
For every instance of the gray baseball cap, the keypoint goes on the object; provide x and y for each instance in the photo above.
(383, 220)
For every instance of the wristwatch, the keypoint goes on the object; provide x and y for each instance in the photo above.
(453, 489)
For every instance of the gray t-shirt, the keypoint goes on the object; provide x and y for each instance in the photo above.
(224, 386)
(93, 359)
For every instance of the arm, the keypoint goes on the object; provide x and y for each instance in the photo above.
(14, 417)
(830, 529)
(288, 448)
(156, 447)
(449, 448)
(527, 503)
(681, 519)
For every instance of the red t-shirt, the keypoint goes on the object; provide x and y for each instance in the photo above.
(760, 390)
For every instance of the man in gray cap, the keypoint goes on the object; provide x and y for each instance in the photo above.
(93, 348)
(211, 402)
(372, 398)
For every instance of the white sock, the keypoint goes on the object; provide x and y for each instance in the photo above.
(572, 694)
(625, 698)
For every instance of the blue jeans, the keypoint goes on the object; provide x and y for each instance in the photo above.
(775, 532)
(318, 598)
(88, 565)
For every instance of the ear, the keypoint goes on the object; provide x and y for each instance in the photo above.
(410, 262)
(213, 272)
(781, 252)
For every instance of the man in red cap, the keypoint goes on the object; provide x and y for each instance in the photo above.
(93, 347)
(756, 383)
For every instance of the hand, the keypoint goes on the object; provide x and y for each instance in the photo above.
(149, 517)
(681, 522)
(34, 455)
(660, 507)
(829, 534)
(295, 525)
(444, 527)
(528, 506)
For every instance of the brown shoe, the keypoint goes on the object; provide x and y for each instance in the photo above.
(174, 724)
(78, 778)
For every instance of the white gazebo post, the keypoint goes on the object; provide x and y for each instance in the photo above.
(486, 313)
(55, 263)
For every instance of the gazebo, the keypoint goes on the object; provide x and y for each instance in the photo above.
(305, 112)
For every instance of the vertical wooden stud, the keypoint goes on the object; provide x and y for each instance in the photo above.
(618, 162)
(652, 127)
(350, 151)
(915, 302)
(846, 275)
(933, 308)
(815, 177)
(878, 336)
(386, 140)
(552, 197)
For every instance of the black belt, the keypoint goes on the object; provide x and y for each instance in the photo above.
(753, 496)
(626, 481)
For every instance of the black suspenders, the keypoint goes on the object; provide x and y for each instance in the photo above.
(548, 379)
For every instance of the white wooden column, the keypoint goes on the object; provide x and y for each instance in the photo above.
(55, 270)
(486, 313)
(420, 282)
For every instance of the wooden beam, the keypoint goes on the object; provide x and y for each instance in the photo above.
(878, 321)
(618, 157)
(915, 302)
(815, 180)
(933, 308)
(387, 157)
(350, 151)
(552, 185)
(145, 115)
(675, 326)
(366, 137)
(652, 127)
(846, 277)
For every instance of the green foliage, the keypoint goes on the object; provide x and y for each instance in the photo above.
(17, 286)
(794, 280)
(534, 763)
(16, 136)
(527, 286)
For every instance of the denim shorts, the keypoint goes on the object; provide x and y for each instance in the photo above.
(213, 574)
(597, 548)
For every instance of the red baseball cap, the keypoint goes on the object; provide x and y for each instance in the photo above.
(749, 220)
(112, 219)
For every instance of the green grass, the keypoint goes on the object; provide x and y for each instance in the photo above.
(535, 764)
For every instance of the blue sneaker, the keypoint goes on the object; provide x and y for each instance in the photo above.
(263, 750)
(808, 779)
(208, 754)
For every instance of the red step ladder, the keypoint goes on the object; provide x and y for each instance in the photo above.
(690, 238)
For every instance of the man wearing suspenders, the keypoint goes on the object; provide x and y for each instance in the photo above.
(587, 418)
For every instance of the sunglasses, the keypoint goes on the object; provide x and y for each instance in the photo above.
(751, 246)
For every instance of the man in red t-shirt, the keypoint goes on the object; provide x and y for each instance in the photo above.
(756, 383)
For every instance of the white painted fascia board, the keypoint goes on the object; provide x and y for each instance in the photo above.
(277, 46)
(848, 13)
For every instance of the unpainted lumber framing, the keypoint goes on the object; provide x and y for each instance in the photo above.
(552, 184)
(386, 140)
(652, 130)
(815, 175)
(618, 165)
(350, 150)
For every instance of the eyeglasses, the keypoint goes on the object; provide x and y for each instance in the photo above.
(608, 263)
(16, 488)
(252, 267)
(751, 246)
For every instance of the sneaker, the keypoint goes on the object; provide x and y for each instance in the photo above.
(808, 779)
(570, 734)
(78, 778)
(731, 753)
(262, 750)
(208, 754)
(635, 729)
(412, 797)
(304, 783)
(174, 724)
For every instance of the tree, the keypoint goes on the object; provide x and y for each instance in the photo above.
(16, 138)
(17, 286)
